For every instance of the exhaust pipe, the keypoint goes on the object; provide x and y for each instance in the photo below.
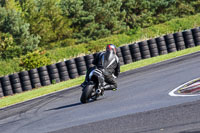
(98, 91)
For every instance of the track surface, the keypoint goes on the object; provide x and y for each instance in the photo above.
(141, 105)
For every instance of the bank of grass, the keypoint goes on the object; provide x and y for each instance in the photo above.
(60, 54)
(17, 98)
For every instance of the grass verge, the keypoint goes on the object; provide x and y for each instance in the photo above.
(17, 98)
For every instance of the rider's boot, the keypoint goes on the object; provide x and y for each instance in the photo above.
(110, 87)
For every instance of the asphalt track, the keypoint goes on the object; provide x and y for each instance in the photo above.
(140, 105)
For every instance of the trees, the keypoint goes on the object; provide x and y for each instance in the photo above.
(94, 19)
(46, 20)
(14, 33)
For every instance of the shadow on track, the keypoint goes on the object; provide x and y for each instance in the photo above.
(66, 106)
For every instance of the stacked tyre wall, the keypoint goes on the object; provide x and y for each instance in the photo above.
(73, 68)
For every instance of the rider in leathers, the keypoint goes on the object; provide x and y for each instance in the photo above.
(108, 62)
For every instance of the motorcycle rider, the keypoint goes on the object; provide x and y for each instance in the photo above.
(108, 62)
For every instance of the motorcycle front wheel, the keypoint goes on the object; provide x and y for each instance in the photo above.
(87, 93)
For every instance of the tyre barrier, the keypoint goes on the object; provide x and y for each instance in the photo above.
(144, 49)
(53, 73)
(88, 60)
(162, 47)
(6, 86)
(35, 78)
(44, 76)
(63, 72)
(119, 54)
(16, 83)
(70, 69)
(196, 36)
(126, 54)
(179, 40)
(1, 91)
(170, 43)
(188, 38)
(25, 81)
(135, 52)
(153, 47)
(81, 65)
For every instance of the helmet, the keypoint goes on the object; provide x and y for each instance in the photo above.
(111, 48)
(109, 55)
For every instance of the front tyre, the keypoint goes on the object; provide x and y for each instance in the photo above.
(86, 94)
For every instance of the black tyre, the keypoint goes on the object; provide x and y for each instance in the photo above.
(195, 35)
(17, 90)
(163, 52)
(143, 46)
(153, 46)
(136, 56)
(73, 75)
(54, 76)
(61, 64)
(179, 39)
(72, 66)
(52, 71)
(145, 54)
(80, 64)
(178, 34)
(89, 57)
(24, 73)
(62, 69)
(171, 45)
(64, 73)
(36, 85)
(170, 41)
(126, 53)
(124, 48)
(8, 93)
(43, 73)
(34, 75)
(152, 41)
(26, 83)
(160, 39)
(45, 83)
(86, 94)
(162, 48)
(26, 88)
(79, 59)
(52, 66)
(44, 78)
(33, 71)
(25, 78)
(41, 69)
(17, 85)
(64, 78)
(35, 80)
(189, 43)
(69, 62)
(180, 45)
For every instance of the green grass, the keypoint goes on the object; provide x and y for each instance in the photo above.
(10, 100)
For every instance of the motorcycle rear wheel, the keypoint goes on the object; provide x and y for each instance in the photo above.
(86, 94)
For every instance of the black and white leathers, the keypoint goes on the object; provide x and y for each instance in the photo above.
(109, 62)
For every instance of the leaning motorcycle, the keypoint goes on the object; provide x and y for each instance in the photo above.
(93, 88)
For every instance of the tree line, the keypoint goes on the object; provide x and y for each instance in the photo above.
(28, 25)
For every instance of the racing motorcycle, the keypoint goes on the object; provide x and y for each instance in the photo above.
(94, 87)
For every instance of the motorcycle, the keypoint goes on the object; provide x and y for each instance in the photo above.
(94, 87)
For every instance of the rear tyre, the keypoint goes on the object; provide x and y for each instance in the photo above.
(86, 94)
